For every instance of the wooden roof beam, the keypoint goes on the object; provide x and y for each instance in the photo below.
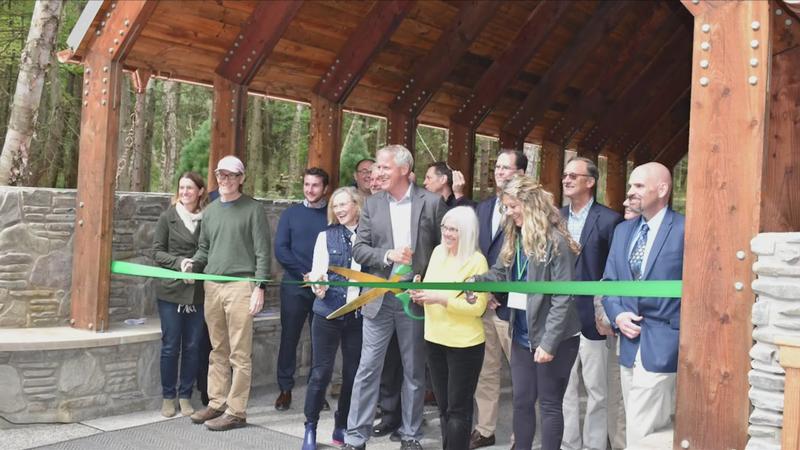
(670, 95)
(361, 48)
(670, 56)
(659, 132)
(431, 71)
(257, 39)
(604, 19)
(537, 28)
(595, 97)
(675, 148)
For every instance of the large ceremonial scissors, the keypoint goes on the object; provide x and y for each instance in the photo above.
(374, 293)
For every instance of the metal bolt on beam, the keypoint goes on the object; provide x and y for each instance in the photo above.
(753, 62)
(738, 285)
(753, 80)
(754, 43)
(755, 25)
(740, 255)
(705, 45)
(706, 28)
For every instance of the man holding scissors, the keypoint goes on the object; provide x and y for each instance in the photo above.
(398, 226)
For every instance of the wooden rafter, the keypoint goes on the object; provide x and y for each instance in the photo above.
(361, 48)
(659, 133)
(91, 262)
(257, 39)
(430, 71)
(654, 75)
(595, 98)
(675, 148)
(604, 19)
(537, 28)
(650, 131)
(671, 94)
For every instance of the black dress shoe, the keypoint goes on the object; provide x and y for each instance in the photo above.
(383, 428)
(326, 406)
(284, 401)
(395, 436)
(353, 447)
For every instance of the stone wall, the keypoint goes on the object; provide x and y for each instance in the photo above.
(36, 227)
(776, 313)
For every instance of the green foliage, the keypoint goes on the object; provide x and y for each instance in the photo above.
(194, 155)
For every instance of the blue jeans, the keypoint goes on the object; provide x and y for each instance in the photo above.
(296, 303)
(325, 337)
(181, 333)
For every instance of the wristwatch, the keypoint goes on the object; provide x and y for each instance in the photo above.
(262, 285)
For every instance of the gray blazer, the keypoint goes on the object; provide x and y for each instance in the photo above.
(375, 236)
(551, 318)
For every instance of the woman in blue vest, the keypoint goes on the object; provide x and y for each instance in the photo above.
(333, 248)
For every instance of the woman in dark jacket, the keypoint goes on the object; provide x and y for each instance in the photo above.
(544, 328)
(180, 302)
(333, 248)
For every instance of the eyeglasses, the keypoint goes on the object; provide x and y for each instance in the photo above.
(501, 167)
(446, 229)
(364, 171)
(573, 176)
(227, 176)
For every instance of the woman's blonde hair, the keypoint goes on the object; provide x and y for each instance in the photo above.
(541, 220)
(355, 196)
(464, 218)
(198, 181)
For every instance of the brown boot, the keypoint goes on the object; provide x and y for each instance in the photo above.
(226, 422)
(205, 414)
(477, 440)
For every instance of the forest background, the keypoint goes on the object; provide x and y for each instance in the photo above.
(165, 129)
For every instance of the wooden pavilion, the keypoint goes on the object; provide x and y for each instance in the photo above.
(630, 80)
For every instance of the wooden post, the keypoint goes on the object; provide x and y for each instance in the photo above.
(511, 141)
(401, 129)
(552, 167)
(91, 258)
(790, 361)
(461, 153)
(616, 181)
(324, 147)
(727, 142)
(227, 132)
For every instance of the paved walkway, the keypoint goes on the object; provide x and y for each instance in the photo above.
(280, 428)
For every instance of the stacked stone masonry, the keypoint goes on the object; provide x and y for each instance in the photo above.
(74, 384)
(776, 313)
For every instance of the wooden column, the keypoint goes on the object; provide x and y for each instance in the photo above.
(325, 137)
(552, 166)
(227, 132)
(616, 181)
(401, 129)
(727, 150)
(511, 141)
(461, 152)
(91, 258)
(790, 361)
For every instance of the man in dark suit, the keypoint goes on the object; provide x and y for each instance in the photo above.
(591, 224)
(398, 226)
(647, 248)
(495, 319)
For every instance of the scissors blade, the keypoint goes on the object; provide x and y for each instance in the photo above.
(358, 302)
(356, 275)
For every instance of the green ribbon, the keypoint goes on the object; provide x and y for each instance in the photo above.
(656, 289)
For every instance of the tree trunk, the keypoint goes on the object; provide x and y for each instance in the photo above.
(255, 145)
(138, 155)
(484, 168)
(34, 61)
(53, 146)
(295, 170)
(125, 141)
(269, 164)
(149, 129)
(72, 119)
(170, 135)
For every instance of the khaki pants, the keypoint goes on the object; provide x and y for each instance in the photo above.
(649, 401)
(487, 394)
(230, 327)
(591, 366)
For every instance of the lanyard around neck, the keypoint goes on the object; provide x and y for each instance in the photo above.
(521, 268)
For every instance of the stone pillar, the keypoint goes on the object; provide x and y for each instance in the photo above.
(776, 318)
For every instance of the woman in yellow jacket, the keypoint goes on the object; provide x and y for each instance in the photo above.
(454, 336)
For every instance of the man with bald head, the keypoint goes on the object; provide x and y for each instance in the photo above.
(648, 247)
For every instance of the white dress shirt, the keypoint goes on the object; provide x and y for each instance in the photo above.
(400, 216)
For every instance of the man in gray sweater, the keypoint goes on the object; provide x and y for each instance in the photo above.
(233, 241)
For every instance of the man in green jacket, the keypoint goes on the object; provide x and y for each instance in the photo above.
(233, 241)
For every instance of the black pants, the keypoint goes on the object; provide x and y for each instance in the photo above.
(546, 382)
(296, 303)
(454, 375)
(326, 335)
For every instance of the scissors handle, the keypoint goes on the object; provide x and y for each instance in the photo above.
(405, 299)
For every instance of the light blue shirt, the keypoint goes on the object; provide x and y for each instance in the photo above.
(576, 221)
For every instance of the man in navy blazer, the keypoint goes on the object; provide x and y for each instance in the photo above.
(647, 248)
(495, 319)
(591, 224)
